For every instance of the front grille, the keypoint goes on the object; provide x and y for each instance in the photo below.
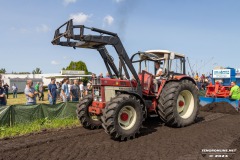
(97, 91)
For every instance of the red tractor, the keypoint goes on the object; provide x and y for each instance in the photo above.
(120, 104)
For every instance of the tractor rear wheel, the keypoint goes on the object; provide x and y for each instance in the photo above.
(178, 103)
(88, 120)
(123, 116)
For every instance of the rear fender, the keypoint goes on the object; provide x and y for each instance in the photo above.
(176, 78)
(183, 77)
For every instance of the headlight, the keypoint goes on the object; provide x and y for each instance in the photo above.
(100, 99)
(95, 98)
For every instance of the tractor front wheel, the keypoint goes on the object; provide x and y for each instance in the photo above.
(123, 117)
(87, 119)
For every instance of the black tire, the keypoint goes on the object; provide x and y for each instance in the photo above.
(170, 109)
(83, 115)
(111, 114)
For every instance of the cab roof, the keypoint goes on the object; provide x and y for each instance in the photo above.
(160, 53)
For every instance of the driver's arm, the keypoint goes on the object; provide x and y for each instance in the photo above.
(159, 73)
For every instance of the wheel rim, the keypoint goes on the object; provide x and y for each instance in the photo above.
(185, 104)
(127, 117)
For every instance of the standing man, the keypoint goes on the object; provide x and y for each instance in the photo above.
(58, 89)
(37, 88)
(89, 89)
(81, 89)
(75, 91)
(210, 78)
(41, 91)
(30, 93)
(1, 81)
(100, 75)
(2, 95)
(52, 92)
(69, 87)
(107, 75)
(234, 92)
(6, 87)
(14, 90)
(65, 90)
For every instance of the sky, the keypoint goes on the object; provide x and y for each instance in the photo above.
(207, 32)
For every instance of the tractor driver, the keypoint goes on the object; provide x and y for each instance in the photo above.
(157, 77)
(159, 70)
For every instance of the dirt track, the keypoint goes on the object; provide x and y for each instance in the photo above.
(213, 131)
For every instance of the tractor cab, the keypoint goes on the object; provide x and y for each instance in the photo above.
(171, 63)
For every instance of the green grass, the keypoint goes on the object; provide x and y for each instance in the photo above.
(37, 126)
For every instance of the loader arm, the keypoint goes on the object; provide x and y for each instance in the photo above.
(98, 42)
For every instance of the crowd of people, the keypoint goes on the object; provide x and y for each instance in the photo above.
(4, 92)
(202, 81)
(66, 90)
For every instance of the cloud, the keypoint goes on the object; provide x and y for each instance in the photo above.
(67, 2)
(80, 18)
(43, 28)
(53, 62)
(108, 20)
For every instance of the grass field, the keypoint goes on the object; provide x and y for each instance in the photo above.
(37, 126)
(21, 99)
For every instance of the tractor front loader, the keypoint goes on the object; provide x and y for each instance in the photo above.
(120, 104)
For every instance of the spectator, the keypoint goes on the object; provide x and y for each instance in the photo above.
(89, 89)
(75, 91)
(100, 75)
(41, 91)
(30, 93)
(196, 77)
(58, 89)
(1, 80)
(52, 92)
(37, 88)
(199, 83)
(14, 90)
(202, 80)
(6, 87)
(107, 75)
(69, 87)
(65, 91)
(2, 95)
(210, 78)
(81, 89)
